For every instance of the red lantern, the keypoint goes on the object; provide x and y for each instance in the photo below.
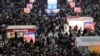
(26, 10)
(72, 4)
(29, 6)
(70, 0)
(77, 10)
(31, 1)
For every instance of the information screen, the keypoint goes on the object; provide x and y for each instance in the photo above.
(89, 25)
(28, 36)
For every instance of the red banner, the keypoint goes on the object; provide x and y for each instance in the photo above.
(20, 30)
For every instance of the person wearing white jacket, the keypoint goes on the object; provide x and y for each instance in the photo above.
(66, 28)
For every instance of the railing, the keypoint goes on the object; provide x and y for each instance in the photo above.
(97, 28)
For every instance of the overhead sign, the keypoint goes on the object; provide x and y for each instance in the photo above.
(52, 4)
(52, 1)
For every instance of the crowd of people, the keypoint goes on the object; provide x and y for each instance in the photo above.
(51, 39)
